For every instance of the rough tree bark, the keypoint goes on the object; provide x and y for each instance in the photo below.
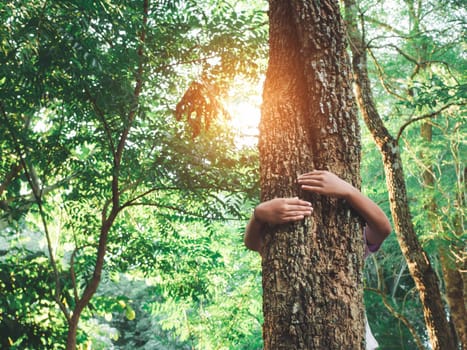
(455, 295)
(419, 265)
(312, 280)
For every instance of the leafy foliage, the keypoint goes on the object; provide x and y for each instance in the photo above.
(29, 319)
(88, 132)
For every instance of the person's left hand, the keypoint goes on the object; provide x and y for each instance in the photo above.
(326, 183)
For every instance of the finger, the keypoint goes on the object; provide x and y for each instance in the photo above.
(293, 218)
(315, 189)
(305, 174)
(298, 202)
(311, 182)
(309, 177)
(318, 172)
(315, 171)
(297, 218)
(297, 213)
(300, 209)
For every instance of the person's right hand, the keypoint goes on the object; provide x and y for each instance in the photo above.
(282, 210)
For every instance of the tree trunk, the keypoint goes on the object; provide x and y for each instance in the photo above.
(93, 283)
(72, 332)
(109, 219)
(452, 278)
(418, 263)
(455, 296)
(312, 280)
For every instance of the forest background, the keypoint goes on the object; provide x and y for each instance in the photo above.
(129, 128)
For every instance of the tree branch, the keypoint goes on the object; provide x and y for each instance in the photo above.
(131, 116)
(33, 181)
(425, 116)
(72, 271)
(108, 219)
(12, 174)
(386, 26)
(381, 292)
(399, 316)
(101, 115)
(380, 70)
(180, 210)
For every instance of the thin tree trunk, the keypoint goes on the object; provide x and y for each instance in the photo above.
(452, 278)
(425, 279)
(312, 280)
(108, 218)
(455, 296)
(91, 288)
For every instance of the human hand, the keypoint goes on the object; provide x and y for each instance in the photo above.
(326, 183)
(282, 210)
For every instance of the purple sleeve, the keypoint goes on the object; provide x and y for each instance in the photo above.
(369, 248)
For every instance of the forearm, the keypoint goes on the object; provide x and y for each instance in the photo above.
(378, 225)
(253, 234)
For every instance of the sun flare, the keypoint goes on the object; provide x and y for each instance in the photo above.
(244, 107)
